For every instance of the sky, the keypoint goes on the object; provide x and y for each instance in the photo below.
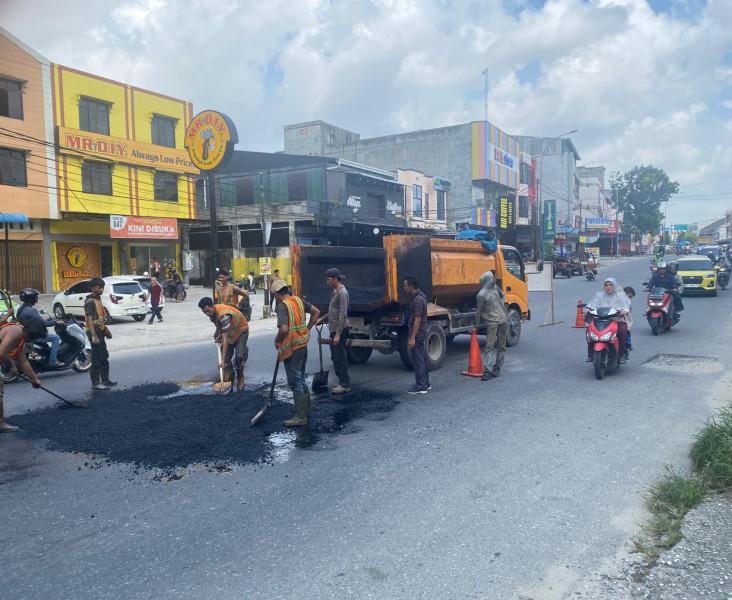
(643, 81)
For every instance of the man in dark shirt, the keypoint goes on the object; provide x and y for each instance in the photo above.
(337, 319)
(178, 283)
(98, 334)
(417, 335)
(155, 296)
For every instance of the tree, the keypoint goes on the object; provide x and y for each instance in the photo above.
(640, 193)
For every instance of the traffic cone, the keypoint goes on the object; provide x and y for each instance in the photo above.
(475, 364)
(579, 321)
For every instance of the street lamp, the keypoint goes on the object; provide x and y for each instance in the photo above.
(538, 185)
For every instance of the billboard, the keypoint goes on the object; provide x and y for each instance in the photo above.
(157, 228)
(597, 223)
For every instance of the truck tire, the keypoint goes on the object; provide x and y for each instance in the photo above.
(404, 353)
(357, 355)
(435, 346)
(514, 327)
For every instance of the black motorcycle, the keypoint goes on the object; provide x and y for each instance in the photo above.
(169, 291)
(74, 352)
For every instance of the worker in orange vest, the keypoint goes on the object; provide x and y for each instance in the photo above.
(226, 292)
(232, 331)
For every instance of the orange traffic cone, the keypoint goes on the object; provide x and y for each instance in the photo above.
(475, 364)
(579, 322)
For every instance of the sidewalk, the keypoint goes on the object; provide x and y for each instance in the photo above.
(182, 323)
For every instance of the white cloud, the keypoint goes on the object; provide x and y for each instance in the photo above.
(640, 86)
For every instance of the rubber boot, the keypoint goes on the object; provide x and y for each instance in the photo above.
(487, 376)
(4, 427)
(96, 381)
(308, 412)
(496, 371)
(301, 408)
(240, 379)
(105, 377)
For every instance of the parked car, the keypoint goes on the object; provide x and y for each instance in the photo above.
(123, 297)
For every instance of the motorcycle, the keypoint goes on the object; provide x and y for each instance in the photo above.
(74, 351)
(245, 306)
(602, 333)
(660, 309)
(590, 273)
(722, 276)
(169, 291)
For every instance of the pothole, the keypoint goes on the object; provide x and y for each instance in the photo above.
(684, 363)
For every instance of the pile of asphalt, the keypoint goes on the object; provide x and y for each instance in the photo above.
(141, 426)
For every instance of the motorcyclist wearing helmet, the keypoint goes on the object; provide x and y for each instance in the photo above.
(710, 256)
(673, 268)
(26, 313)
(664, 279)
(250, 278)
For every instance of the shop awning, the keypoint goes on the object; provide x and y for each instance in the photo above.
(13, 218)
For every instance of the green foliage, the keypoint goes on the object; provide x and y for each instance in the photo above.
(711, 453)
(640, 193)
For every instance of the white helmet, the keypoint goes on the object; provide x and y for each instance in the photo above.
(662, 265)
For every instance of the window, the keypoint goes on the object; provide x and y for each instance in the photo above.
(426, 205)
(163, 131)
(523, 207)
(200, 194)
(440, 205)
(166, 187)
(12, 168)
(514, 264)
(96, 178)
(417, 200)
(127, 288)
(94, 116)
(524, 173)
(227, 193)
(11, 98)
(83, 287)
(376, 204)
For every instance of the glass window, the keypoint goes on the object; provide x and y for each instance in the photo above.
(227, 193)
(96, 178)
(12, 168)
(200, 194)
(514, 264)
(163, 131)
(80, 288)
(441, 205)
(126, 288)
(11, 98)
(523, 207)
(166, 187)
(702, 264)
(417, 200)
(94, 116)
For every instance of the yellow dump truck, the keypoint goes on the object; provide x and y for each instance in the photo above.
(448, 272)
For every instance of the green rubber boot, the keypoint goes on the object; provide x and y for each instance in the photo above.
(301, 408)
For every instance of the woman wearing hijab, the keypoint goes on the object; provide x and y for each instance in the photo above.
(612, 296)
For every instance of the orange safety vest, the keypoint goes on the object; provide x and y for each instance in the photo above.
(14, 353)
(98, 321)
(223, 295)
(298, 335)
(238, 322)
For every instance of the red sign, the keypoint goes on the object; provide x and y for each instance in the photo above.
(577, 222)
(613, 226)
(157, 228)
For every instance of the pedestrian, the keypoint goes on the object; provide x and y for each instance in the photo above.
(155, 267)
(226, 291)
(155, 297)
(291, 342)
(177, 283)
(417, 335)
(337, 319)
(275, 278)
(490, 308)
(27, 313)
(13, 337)
(98, 334)
(250, 279)
(630, 292)
(232, 332)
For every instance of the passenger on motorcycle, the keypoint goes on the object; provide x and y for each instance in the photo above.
(26, 313)
(664, 279)
(590, 266)
(673, 268)
(612, 296)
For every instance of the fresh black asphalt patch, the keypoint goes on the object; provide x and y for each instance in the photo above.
(142, 427)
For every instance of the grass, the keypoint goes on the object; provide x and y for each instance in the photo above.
(672, 496)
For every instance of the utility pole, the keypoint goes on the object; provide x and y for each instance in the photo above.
(210, 184)
(266, 310)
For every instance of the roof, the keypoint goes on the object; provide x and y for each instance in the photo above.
(714, 225)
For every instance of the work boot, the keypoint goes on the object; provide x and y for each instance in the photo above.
(4, 427)
(228, 381)
(301, 408)
(487, 376)
(240, 379)
(96, 381)
(105, 377)
(309, 412)
(496, 371)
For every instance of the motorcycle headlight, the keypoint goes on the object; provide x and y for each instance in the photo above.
(593, 336)
(606, 336)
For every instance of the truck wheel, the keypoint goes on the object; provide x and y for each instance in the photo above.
(514, 328)
(404, 353)
(435, 346)
(357, 355)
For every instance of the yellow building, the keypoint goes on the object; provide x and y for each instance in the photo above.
(125, 185)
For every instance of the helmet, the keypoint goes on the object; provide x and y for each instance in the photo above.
(251, 272)
(29, 295)
(662, 265)
(710, 254)
(673, 266)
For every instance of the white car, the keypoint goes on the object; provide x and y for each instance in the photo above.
(123, 297)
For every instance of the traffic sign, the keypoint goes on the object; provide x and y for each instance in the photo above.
(682, 227)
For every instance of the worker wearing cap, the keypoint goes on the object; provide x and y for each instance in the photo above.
(337, 319)
(291, 342)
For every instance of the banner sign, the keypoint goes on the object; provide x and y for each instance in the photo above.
(613, 227)
(210, 139)
(505, 213)
(550, 218)
(577, 222)
(157, 228)
(84, 144)
(265, 267)
(597, 223)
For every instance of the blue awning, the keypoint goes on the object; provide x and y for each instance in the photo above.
(13, 218)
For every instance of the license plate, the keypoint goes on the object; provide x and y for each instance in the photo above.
(691, 285)
(132, 311)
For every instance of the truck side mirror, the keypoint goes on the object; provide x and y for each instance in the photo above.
(540, 265)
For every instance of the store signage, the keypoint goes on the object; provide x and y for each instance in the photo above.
(577, 222)
(83, 144)
(505, 213)
(613, 227)
(550, 218)
(501, 157)
(210, 139)
(583, 238)
(442, 184)
(76, 274)
(76, 257)
(597, 223)
(158, 228)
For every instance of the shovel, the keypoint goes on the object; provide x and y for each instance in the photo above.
(224, 387)
(320, 380)
(74, 404)
(264, 409)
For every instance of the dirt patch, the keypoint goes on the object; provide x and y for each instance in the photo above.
(684, 363)
(152, 426)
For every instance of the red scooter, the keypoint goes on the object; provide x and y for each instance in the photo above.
(602, 333)
(660, 312)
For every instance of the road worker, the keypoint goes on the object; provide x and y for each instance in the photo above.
(232, 332)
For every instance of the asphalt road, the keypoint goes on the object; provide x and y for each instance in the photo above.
(515, 488)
